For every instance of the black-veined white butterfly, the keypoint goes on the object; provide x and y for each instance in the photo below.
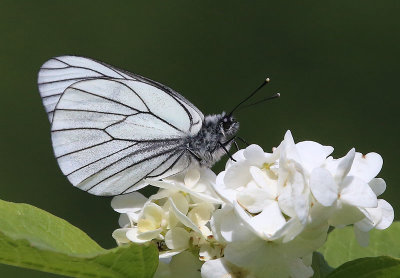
(112, 129)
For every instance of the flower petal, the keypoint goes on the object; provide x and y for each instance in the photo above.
(345, 215)
(135, 236)
(227, 227)
(183, 218)
(131, 202)
(124, 220)
(254, 200)
(255, 155)
(201, 214)
(120, 235)
(151, 218)
(167, 255)
(323, 186)
(312, 154)
(173, 187)
(289, 231)
(299, 270)
(366, 167)
(264, 181)
(219, 268)
(181, 202)
(387, 215)
(344, 165)
(372, 216)
(177, 239)
(259, 257)
(237, 175)
(377, 185)
(269, 221)
(285, 201)
(238, 156)
(358, 193)
(225, 193)
(192, 177)
(300, 196)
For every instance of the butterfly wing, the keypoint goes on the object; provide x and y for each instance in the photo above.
(58, 73)
(110, 133)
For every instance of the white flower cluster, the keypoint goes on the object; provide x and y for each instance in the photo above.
(263, 216)
(176, 218)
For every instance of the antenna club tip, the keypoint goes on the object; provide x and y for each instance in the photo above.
(267, 80)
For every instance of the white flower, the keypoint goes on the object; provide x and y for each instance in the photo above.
(279, 205)
(342, 185)
(263, 216)
(176, 215)
(255, 256)
(270, 191)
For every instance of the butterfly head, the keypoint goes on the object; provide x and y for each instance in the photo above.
(228, 125)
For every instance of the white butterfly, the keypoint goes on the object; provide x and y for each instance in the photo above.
(112, 129)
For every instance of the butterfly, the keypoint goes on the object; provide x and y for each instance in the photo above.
(111, 129)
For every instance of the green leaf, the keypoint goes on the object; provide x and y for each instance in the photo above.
(342, 246)
(378, 267)
(320, 266)
(33, 238)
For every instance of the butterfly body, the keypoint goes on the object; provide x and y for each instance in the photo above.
(215, 135)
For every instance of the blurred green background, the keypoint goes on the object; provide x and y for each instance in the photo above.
(336, 64)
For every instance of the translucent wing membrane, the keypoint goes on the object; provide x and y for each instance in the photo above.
(59, 73)
(111, 129)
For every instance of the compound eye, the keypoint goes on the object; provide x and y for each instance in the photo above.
(226, 123)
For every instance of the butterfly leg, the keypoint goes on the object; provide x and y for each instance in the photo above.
(229, 141)
(226, 151)
(234, 142)
(194, 155)
(236, 145)
(243, 141)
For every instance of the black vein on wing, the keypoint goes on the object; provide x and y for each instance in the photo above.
(52, 95)
(176, 96)
(71, 79)
(130, 154)
(92, 111)
(118, 102)
(118, 71)
(127, 167)
(133, 91)
(79, 67)
(156, 167)
(86, 148)
(77, 128)
(162, 87)
(152, 113)
(110, 99)
(104, 157)
(170, 167)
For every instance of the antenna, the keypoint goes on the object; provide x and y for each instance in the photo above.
(266, 81)
(277, 95)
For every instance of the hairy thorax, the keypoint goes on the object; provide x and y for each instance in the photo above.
(206, 146)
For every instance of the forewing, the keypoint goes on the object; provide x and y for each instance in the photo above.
(108, 135)
(57, 74)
